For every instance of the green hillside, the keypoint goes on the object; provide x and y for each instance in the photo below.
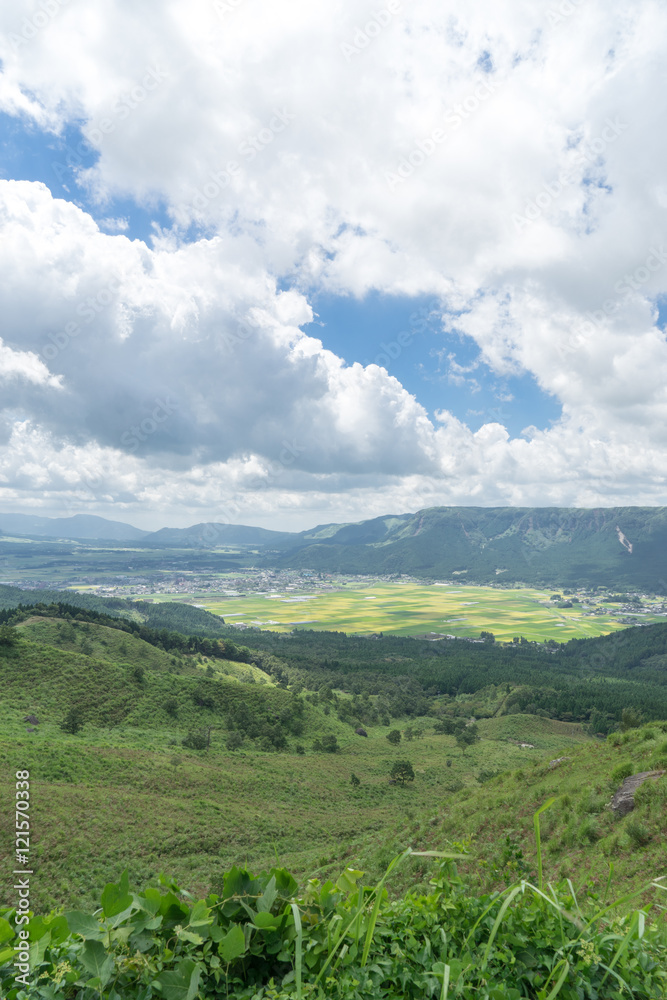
(174, 616)
(620, 547)
(150, 762)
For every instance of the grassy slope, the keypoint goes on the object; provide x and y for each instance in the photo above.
(123, 792)
(580, 834)
(115, 646)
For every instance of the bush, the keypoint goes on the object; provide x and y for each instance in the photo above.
(354, 781)
(638, 833)
(171, 707)
(300, 749)
(394, 737)
(402, 771)
(622, 771)
(196, 741)
(234, 740)
(73, 721)
(531, 940)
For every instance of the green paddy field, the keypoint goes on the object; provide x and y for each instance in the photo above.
(414, 609)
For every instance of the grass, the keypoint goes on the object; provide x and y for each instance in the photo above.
(413, 609)
(123, 792)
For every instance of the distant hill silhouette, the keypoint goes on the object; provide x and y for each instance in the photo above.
(79, 526)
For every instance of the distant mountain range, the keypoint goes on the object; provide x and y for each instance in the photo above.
(79, 527)
(621, 547)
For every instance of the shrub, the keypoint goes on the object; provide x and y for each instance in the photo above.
(638, 833)
(402, 771)
(73, 721)
(196, 741)
(300, 749)
(354, 781)
(394, 737)
(588, 832)
(234, 740)
(622, 771)
(171, 707)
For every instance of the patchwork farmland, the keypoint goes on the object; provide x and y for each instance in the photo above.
(416, 609)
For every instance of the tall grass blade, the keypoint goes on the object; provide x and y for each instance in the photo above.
(608, 886)
(622, 946)
(494, 930)
(445, 983)
(538, 838)
(298, 951)
(370, 930)
(487, 910)
(574, 897)
(561, 979)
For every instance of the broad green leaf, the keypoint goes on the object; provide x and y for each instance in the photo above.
(181, 984)
(172, 908)
(199, 914)
(85, 925)
(347, 881)
(233, 944)
(95, 960)
(6, 930)
(5, 955)
(150, 901)
(191, 937)
(116, 898)
(268, 897)
(266, 921)
(286, 884)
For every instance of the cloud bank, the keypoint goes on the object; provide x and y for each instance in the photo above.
(505, 159)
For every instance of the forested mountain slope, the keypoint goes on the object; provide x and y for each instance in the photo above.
(624, 547)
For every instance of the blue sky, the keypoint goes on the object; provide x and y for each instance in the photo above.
(471, 197)
(362, 330)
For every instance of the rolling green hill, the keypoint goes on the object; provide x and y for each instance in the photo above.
(124, 759)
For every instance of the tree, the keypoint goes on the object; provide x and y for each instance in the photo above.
(330, 743)
(73, 721)
(631, 719)
(394, 737)
(467, 736)
(234, 740)
(354, 781)
(196, 741)
(402, 771)
(7, 635)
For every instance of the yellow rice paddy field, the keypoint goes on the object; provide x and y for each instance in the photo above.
(414, 609)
